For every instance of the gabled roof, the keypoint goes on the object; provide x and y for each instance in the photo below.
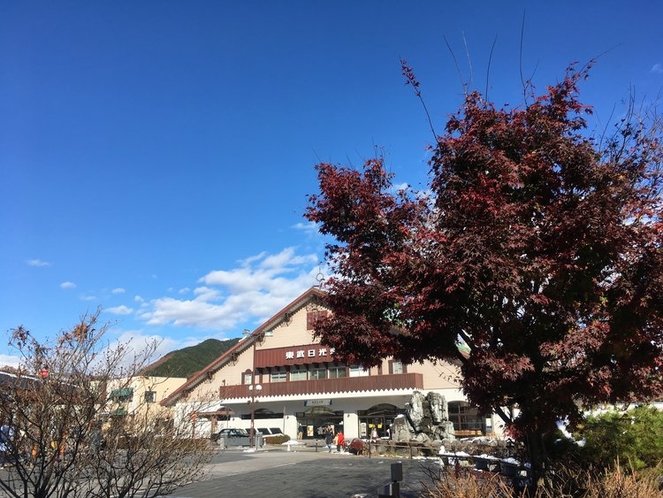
(284, 315)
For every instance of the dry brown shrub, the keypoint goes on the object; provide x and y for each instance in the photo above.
(620, 484)
(466, 483)
(567, 483)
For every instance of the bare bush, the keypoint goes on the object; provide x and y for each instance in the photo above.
(61, 436)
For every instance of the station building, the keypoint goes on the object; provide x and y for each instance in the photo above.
(280, 376)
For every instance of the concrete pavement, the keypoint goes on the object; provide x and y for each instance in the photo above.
(304, 473)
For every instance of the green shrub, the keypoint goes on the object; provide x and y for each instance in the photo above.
(632, 438)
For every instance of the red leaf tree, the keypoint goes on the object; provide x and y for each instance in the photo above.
(537, 246)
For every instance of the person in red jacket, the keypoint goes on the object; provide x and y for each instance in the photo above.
(339, 441)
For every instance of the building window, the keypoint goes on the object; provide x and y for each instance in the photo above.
(312, 316)
(317, 373)
(298, 374)
(247, 378)
(337, 372)
(150, 396)
(277, 376)
(466, 419)
(356, 371)
(396, 367)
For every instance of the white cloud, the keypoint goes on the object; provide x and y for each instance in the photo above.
(37, 262)
(119, 310)
(267, 276)
(136, 344)
(118, 290)
(9, 361)
(191, 313)
(88, 297)
(67, 285)
(287, 258)
(206, 294)
(184, 290)
(258, 288)
(308, 228)
(657, 68)
(139, 299)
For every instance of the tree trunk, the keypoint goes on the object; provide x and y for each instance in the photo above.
(537, 459)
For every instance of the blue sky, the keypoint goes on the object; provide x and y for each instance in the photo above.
(155, 156)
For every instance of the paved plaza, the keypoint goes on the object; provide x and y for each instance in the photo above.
(304, 474)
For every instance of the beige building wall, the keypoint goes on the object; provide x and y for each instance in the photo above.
(139, 394)
(286, 334)
(290, 332)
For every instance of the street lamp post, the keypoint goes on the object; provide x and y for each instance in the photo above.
(254, 389)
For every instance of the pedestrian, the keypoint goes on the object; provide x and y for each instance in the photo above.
(340, 438)
(6, 434)
(329, 437)
(96, 439)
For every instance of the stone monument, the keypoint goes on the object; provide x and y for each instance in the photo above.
(426, 419)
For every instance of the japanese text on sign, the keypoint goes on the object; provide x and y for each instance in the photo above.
(309, 353)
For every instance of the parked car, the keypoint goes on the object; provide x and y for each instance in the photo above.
(272, 431)
(237, 437)
(272, 435)
(229, 433)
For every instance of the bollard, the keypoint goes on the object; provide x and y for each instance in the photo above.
(393, 489)
(397, 471)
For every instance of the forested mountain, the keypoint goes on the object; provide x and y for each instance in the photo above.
(185, 362)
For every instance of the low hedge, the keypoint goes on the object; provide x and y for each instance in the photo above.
(277, 439)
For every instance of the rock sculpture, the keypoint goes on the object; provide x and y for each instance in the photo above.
(426, 419)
